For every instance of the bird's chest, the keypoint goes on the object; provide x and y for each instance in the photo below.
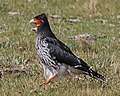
(43, 50)
(41, 47)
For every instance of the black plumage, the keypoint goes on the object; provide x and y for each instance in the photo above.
(56, 58)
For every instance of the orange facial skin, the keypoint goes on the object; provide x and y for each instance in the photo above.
(38, 22)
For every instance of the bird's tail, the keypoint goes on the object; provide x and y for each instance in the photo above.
(95, 75)
(81, 65)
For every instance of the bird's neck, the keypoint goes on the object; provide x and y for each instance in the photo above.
(45, 31)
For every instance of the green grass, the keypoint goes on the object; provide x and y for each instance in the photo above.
(17, 46)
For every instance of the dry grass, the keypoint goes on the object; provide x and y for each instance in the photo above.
(17, 45)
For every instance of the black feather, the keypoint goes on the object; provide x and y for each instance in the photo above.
(61, 53)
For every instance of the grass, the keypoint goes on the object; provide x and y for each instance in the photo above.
(17, 45)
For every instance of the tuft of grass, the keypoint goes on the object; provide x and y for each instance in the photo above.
(17, 45)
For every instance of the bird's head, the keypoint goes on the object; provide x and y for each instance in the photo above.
(39, 20)
(43, 26)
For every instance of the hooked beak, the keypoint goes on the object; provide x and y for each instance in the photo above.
(31, 21)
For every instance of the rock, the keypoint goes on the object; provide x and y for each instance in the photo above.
(73, 20)
(14, 14)
(86, 37)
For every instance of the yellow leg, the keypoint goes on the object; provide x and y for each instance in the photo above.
(70, 73)
(48, 80)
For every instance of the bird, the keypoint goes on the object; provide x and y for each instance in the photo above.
(56, 58)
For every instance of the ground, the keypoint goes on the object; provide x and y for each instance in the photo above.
(98, 18)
